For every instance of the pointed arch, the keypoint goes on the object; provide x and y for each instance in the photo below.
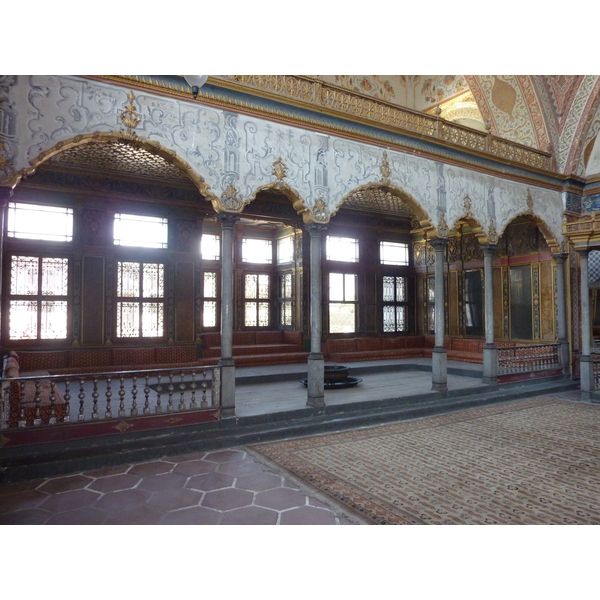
(132, 140)
(421, 214)
(290, 193)
(541, 225)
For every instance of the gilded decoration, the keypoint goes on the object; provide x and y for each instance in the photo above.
(319, 211)
(468, 207)
(529, 201)
(130, 117)
(385, 169)
(442, 227)
(230, 199)
(279, 169)
(492, 234)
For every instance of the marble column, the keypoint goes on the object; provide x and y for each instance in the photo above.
(5, 195)
(586, 367)
(226, 362)
(439, 357)
(490, 352)
(316, 362)
(560, 260)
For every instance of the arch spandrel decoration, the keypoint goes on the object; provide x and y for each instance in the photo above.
(230, 156)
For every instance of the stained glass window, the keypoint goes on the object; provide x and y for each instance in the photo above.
(256, 294)
(141, 231)
(342, 302)
(38, 298)
(38, 222)
(140, 299)
(394, 303)
(255, 250)
(209, 313)
(341, 248)
(285, 250)
(285, 299)
(393, 253)
(210, 247)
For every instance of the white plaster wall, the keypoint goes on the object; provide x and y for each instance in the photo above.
(225, 149)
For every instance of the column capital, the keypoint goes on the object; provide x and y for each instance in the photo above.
(561, 257)
(439, 244)
(315, 229)
(227, 220)
(489, 248)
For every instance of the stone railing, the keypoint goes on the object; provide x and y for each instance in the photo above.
(528, 358)
(46, 400)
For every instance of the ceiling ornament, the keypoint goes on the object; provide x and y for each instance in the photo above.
(378, 200)
(120, 158)
(461, 107)
(504, 96)
(130, 117)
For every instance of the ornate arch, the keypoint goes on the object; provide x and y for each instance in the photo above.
(549, 236)
(421, 214)
(290, 193)
(131, 139)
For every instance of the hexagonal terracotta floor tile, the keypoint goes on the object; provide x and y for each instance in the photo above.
(70, 500)
(29, 516)
(166, 481)
(79, 516)
(123, 500)
(223, 456)
(21, 500)
(106, 471)
(250, 515)
(210, 481)
(280, 498)
(196, 515)
(173, 499)
(259, 482)
(65, 484)
(228, 499)
(157, 467)
(142, 515)
(194, 467)
(237, 468)
(114, 483)
(307, 515)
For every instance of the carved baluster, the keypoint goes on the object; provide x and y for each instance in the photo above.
(134, 391)
(81, 396)
(52, 419)
(147, 394)
(193, 403)
(121, 396)
(171, 389)
(95, 395)
(203, 386)
(182, 392)
(22, 419)
(108, 395)
(37, 418)
(158, 408)
(67, 417)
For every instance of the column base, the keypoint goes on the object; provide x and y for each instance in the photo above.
(586, 370)
(439, 369)
(490, 364)
(227, 366)
(315, 395)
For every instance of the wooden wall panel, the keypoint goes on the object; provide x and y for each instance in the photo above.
(184, 302)
(547, 333)
(92, 301)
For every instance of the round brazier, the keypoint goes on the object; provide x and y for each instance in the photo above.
(335, 373)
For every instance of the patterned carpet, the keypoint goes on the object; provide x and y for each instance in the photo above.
(533, 461)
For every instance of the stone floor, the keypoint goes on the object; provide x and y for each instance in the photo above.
(226, 487)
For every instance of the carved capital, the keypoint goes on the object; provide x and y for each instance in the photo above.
(227, 220)
(560, 258)
(315, 229)
(438, 244)
(489, 248)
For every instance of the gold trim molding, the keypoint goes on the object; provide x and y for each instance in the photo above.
(308, 93)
